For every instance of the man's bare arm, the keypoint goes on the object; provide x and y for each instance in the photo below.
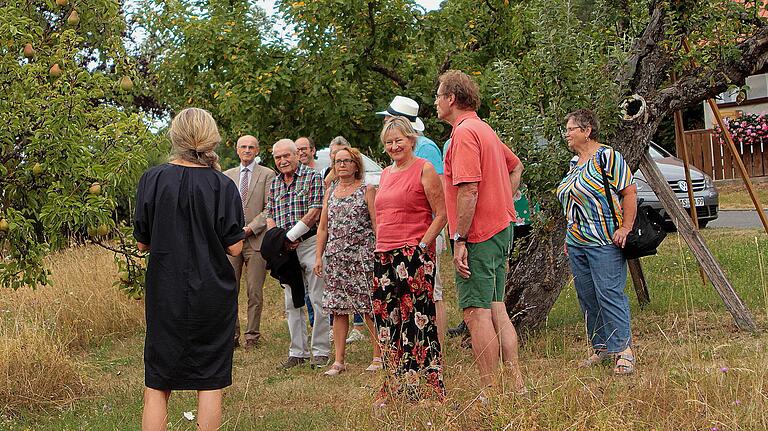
(515, 176)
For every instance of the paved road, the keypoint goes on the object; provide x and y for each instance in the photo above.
(737, 218)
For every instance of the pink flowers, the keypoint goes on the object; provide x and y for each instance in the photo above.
(749, 129)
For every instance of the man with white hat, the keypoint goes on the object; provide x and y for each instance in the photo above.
(426, 149)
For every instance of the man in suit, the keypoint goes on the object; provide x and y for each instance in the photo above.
(253, 182)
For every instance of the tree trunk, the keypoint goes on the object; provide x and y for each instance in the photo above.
(538, 271)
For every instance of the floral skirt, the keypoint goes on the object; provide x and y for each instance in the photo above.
(404, 312)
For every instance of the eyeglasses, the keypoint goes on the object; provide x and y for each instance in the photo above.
(568, 130)
(343, 161)
(303, 150)
(439, 95)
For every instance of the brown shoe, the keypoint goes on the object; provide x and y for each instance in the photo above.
(252, 344)
(292, 361)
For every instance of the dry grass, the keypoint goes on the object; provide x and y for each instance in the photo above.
(44, 330)
(36, 370)
(695, 371)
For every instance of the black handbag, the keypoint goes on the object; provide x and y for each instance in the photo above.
(647, 232)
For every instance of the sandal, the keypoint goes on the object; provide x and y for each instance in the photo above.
(376, 365)
(335, 369)
(622, 369)
(597, 357)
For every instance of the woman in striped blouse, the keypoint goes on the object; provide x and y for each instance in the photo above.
(593, 244)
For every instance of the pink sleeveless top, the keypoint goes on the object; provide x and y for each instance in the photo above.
(403, 213)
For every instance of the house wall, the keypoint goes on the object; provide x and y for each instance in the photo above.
(756, 102)
(735, 111)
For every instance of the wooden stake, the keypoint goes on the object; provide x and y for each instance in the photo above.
(696, 243)
(739, 163)
(732, 147)
(681, 144)
(638, 280)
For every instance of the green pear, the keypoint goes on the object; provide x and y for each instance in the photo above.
(126, 84)
(37, 169)
(102, 230)
(4, 227)
(74, 18)
(62, 2)
(95, 189)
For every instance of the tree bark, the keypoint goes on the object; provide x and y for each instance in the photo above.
(538, 271)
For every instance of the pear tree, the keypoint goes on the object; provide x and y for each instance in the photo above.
(71, 145)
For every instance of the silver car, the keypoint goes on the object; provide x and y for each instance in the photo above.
(372, 169)
(704, 192)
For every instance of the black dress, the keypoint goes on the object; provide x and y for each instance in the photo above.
(188, 216)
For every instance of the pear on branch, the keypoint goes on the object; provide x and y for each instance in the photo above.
(55, 70)
(95, 189)
(29, 51)
(62, 2)
(125, 83)
(74, 18)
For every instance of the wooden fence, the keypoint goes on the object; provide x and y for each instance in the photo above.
(706, 153)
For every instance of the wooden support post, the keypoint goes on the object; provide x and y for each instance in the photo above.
(732, 147)
(693, 238)
(638, 280)
(739, 163)
(681, 144)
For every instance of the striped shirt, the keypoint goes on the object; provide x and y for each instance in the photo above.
(582, 194)
(288, 203)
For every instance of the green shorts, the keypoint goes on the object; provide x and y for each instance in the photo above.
(488, 265)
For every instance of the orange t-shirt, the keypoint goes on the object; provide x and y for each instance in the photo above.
(477, 155)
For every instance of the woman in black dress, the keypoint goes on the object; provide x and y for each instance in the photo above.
(189, 216)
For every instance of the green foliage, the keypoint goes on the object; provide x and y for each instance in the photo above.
(63, 133)
(212, 55)
(563, 69)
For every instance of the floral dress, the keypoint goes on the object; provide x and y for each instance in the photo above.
(404, 312)
(348, 254)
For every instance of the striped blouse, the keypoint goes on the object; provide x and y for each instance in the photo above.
(581, 192)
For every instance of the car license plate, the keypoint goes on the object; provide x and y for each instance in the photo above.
(687, 204)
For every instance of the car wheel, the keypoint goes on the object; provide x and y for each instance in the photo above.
(703, 224)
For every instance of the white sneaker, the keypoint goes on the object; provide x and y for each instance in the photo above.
(355, 335)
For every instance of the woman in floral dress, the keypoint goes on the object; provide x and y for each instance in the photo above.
(345, 237)
(410, 213)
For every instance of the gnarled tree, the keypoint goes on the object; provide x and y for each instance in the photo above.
(622, 51)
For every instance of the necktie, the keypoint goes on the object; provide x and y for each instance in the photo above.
(244, 186)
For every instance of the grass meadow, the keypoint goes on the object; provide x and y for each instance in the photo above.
(734, 195)
(71, 359)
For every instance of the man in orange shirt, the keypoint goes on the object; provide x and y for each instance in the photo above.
(481, 177)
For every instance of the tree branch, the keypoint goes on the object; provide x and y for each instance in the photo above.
(391, 74)
(702, 82)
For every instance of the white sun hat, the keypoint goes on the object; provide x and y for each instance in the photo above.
(405, 107)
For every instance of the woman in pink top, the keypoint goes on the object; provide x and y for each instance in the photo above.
(410, 213)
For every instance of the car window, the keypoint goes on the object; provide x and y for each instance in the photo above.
(657, 152)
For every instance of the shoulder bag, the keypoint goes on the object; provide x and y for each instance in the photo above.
(647, 232)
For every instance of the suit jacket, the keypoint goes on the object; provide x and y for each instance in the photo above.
(255, 201)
